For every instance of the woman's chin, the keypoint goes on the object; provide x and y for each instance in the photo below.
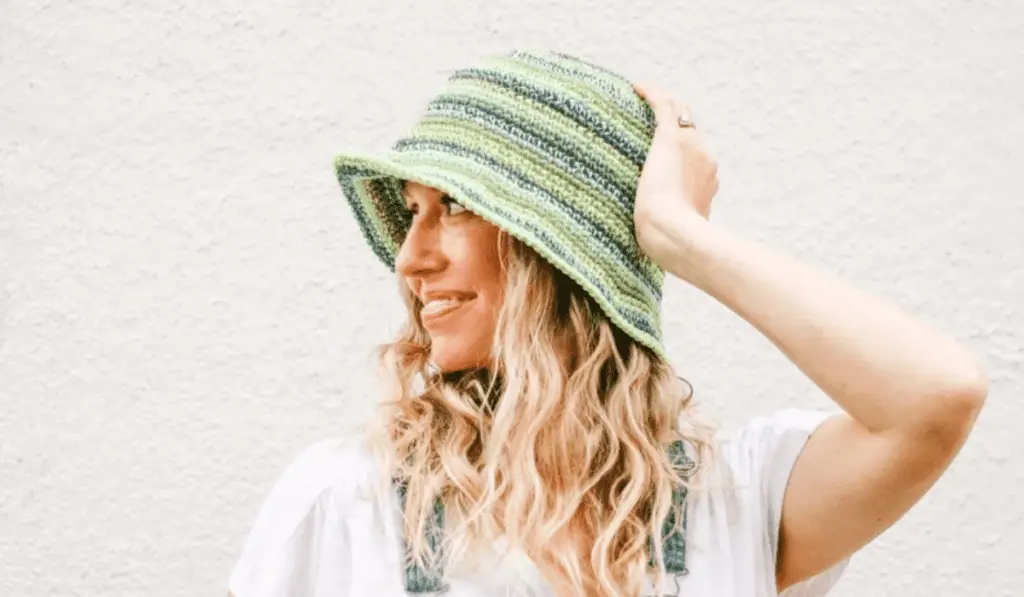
(450, 359)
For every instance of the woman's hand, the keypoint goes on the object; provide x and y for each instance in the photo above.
(678, 181)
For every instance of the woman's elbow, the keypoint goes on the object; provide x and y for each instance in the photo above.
(950, 413)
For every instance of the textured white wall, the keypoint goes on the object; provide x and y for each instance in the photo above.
(186, 303)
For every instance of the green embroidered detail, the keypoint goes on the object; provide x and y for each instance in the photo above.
(673, 544)
(420, 579)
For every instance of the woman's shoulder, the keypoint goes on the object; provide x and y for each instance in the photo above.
(332, 473)
(322, 490)
(767, 431)
(741, 495)
(342, 467)
(763, 449)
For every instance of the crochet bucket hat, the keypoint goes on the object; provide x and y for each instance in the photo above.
(544, 146)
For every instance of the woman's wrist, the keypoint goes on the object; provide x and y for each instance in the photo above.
(686, 247)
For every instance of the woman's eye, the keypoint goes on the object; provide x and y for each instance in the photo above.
(454, 207)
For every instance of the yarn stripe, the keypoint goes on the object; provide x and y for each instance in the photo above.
(576, 111)
(384, 245)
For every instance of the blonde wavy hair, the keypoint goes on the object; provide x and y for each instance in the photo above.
(560, 446)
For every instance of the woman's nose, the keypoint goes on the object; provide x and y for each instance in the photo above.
(420, 252)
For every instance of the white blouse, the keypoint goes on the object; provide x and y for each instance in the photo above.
(330, 528)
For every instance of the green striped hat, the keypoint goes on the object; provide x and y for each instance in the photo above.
(544, 146)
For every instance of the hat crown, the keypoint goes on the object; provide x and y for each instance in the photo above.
(586, 96)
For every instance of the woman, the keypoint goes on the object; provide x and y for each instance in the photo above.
(534, 439)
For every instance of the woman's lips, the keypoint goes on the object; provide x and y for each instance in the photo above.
(437, 309)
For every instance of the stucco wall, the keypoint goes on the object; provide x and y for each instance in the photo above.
(185, 302)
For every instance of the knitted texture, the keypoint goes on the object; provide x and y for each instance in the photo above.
(544, 146)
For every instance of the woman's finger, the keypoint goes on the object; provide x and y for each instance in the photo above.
(660, 102)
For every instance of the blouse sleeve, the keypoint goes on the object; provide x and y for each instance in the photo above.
(292, 529)
(777, 442)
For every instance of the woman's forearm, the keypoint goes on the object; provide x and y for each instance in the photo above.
(883, 367)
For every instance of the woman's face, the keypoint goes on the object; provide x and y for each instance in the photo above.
(451, 263)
